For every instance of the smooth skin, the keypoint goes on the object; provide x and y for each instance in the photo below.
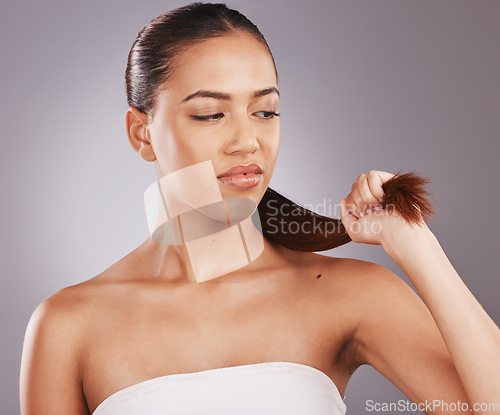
(146, 317)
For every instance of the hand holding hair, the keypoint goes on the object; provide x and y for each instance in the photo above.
(380, 201)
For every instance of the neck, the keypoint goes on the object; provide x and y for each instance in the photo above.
(172, 263)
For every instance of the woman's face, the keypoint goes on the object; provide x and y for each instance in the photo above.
(222, 90)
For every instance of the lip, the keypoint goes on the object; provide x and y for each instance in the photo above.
(242, 176)
(242, 169)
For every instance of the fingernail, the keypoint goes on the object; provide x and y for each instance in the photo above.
(380, 199)
(361, 214)
(377, 208)
(368, 211)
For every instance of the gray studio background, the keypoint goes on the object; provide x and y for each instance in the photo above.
(374, 84)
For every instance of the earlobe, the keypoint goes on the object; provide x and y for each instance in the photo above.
(138, 133)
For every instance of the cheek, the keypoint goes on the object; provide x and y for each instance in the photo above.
(271, 141)
(270, 148)
(196, 143)
(176, 148)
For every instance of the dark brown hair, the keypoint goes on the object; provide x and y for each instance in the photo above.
(150, 64)
(152, 56)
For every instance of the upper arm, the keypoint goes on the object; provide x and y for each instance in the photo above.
(398, 336)
(50, 381)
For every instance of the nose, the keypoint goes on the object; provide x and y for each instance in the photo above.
(243, 137)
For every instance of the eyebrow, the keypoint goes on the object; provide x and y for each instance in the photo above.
(203, 93)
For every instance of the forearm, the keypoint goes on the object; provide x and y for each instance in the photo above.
(471, 336)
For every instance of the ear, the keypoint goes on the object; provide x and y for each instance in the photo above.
(138, 133)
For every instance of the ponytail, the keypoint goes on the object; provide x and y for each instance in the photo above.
(299, 229)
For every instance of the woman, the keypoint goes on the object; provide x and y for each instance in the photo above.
(169, 328)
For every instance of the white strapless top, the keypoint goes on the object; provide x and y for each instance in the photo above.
(277, 388)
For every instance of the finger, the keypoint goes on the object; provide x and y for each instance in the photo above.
(384, 175)
(356, 201)
(368, 199)
(376, 178)
(347, 213)
(351, 203)
(346, 217)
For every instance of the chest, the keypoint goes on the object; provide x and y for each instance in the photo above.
(139, 337)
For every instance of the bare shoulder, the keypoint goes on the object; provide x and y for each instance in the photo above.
(62, 318)
(61, 322)
(67, 304)
(354, 274)
(373, 283)
(352, 282)
(366, 292)
(50, 373)
(363, 276)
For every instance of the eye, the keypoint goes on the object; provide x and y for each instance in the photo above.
(266, 114)
(211, 117)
